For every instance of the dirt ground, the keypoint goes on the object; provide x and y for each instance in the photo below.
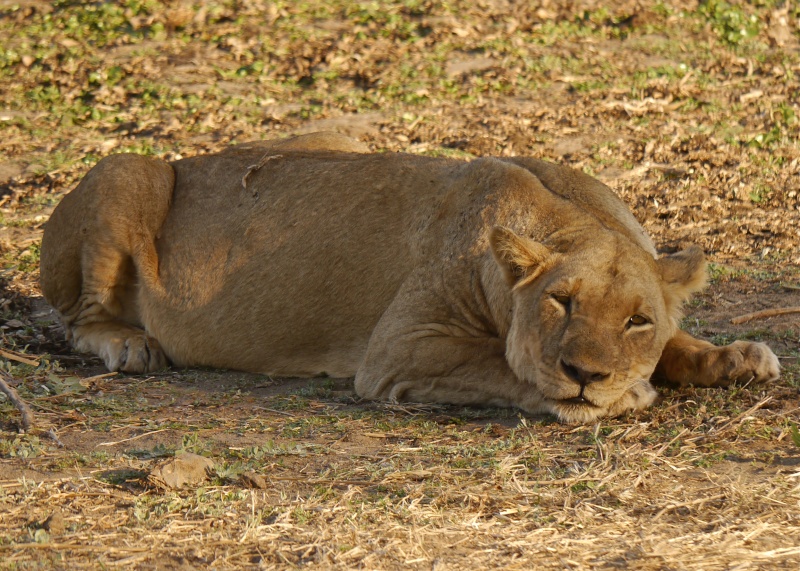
(689, 110)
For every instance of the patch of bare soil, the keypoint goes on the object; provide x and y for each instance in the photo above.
(689, 111)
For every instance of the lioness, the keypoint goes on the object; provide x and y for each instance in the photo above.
(505, 282)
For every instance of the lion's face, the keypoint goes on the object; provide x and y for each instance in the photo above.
(588, 328)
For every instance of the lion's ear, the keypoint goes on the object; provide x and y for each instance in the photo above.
(518, 257)
(683, 273)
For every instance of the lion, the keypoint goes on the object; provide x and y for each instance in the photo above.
(509, 282)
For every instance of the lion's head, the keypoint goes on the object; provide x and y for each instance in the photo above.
(588, 328)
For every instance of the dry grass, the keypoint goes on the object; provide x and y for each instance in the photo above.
(695, 124)
(708, 480)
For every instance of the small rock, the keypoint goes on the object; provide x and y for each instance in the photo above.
(571, 146)
(184, 469)
(54, 524)
(9, 169)
(253, 480)
(779, 30)
(466, 66)
(356, 125)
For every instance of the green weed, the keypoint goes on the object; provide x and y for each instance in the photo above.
(21, 446)
(731, 23)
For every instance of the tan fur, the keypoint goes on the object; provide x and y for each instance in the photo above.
(508, 282)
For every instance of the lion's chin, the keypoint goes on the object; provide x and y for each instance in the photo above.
(576, 411)
(582, 409)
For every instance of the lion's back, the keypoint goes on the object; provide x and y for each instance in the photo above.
(302, 251)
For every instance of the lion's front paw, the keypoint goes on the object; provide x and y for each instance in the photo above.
(134, 354)
(739, 362)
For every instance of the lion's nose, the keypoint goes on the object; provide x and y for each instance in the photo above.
(582, 376)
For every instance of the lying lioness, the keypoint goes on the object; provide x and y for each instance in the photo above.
(504, 282)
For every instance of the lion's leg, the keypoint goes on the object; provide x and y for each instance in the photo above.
(122, 347)
(689, 361)
(425, 365)
(423, 351)
(105, 319)
(98, 249)
(428, 367)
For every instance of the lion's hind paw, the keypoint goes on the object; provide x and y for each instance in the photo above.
(138, 353)
(143, 354)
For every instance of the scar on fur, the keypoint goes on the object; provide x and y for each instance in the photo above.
(264, 160)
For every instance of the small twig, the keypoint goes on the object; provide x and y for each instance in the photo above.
(283, 412)
(661, 450)
(22, 406)
(132, 438)
(54, 437)
(89, 380)
(560, 481)
(71, 547)
(764, 313)
(324, 482)
(18, 357)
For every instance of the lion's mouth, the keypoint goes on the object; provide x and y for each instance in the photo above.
(578, 400)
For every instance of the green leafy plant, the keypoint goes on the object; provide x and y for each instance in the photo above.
(730, 22)
(795, 432)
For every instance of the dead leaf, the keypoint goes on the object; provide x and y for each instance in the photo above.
(778, 30)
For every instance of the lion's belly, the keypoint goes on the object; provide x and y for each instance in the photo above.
(290, 282)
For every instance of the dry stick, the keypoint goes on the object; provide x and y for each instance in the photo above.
(73, 547)
(283, 412)
(22, 406)
(18, 357)
(132, 438)
(99, 377)
(764, 313)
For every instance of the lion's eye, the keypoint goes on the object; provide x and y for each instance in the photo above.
(562, 299)
(638, 320)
